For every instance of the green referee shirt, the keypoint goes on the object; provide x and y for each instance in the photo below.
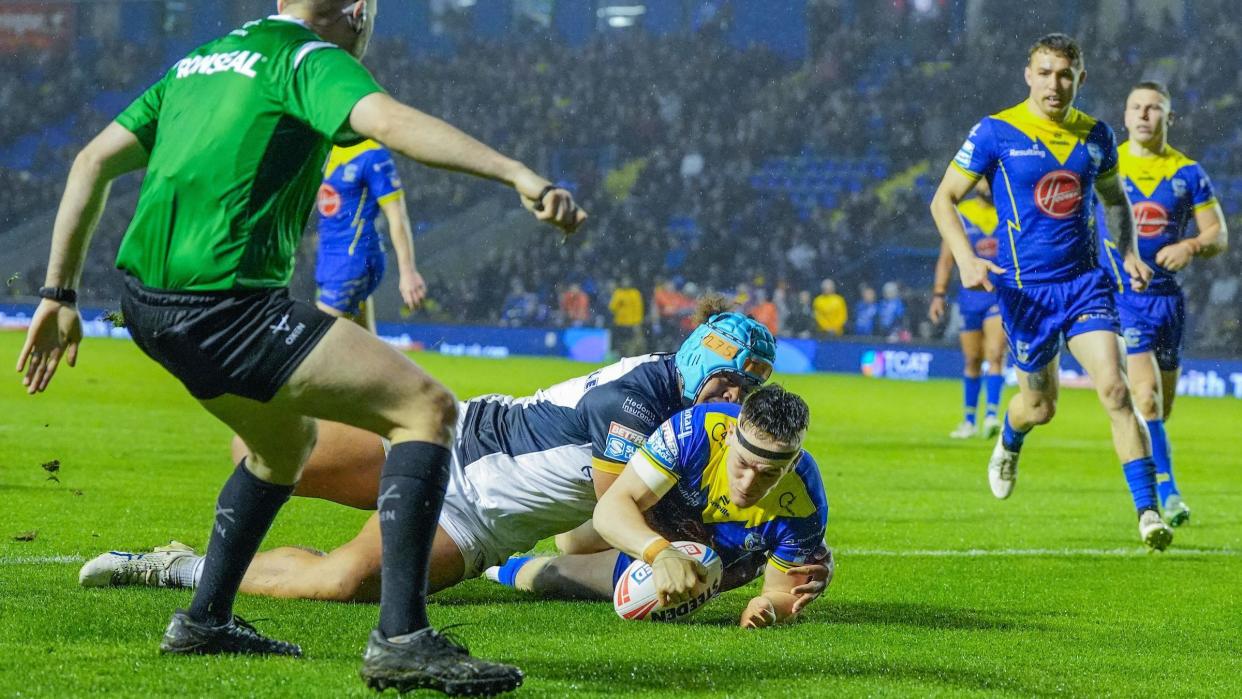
(238, 132)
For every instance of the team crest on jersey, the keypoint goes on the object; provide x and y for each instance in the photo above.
(351, 173)
(966, 152)
(1096, 153)
(1023, 350)
(328, 200)
(1150, 218)
(622, 442)
(1059, 194)
(1179, 187)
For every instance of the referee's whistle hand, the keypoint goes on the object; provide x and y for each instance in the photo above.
(55, 331)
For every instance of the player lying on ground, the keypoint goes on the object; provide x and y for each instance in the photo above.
(1042, 159)
(1169, 191)
(233, 137)
(523, 469)
(736, 479)
(982, 335)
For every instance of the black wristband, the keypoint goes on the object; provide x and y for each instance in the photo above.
(59, 294)
(939, 294)
(543, 193)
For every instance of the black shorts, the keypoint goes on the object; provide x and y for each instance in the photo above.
(245, 342)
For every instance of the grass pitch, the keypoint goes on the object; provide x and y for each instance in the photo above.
(940, 591)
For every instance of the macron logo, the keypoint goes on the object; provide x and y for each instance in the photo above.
(239, 62)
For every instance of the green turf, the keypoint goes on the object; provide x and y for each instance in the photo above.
(141, 463)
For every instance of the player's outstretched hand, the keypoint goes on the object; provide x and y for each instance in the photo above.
(677, 576)
(549, 203)
(974, 273)
(759, 613)
(1175, 257)
(55, 331)
(819, 576)
(1140, 273)
(413, 289)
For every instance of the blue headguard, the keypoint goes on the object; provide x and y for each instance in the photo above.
(727, 342)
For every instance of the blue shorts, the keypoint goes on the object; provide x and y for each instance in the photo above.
(345, 281)
(1154, 323)
(973, 318)
(1038, 316)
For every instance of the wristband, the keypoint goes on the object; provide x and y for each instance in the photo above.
(59, 294)
(543, 193)
(653, 549)
(939, 294)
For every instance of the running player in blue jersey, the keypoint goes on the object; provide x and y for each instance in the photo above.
(523, 469)
(360, 182)
(1046, 162)
(734, 478)
(982, 336)
(1168, 191)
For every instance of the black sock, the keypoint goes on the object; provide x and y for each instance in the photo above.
(411, 494)
(244, 513)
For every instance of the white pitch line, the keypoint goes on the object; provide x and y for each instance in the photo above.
(38, 560)
(1033, 553)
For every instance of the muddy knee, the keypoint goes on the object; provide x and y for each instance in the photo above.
(1115, 395)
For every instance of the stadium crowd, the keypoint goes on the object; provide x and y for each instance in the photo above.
(662, 139)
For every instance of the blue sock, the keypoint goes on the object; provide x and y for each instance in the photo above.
(1141, 477)
(971, 385)
(994, 385)
(508, 572)
(1011, 438)
(1162, 454)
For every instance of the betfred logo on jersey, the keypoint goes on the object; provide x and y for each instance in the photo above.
(328, 200)
(1059, 194)
(1150, 219)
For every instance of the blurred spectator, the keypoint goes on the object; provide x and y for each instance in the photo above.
(626, 306)
(831, 312)
(575, 306)
(764, 311)
(521, 307)
(801, 320)
(865, 311)
(892, 314)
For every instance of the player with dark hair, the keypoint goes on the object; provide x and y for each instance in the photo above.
(734, 478)
(1168, 191)
(233, 138)
(982, 335)
(1046, 162)
(523, 469)
(360, 182)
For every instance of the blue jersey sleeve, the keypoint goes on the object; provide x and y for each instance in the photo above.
(1202, 194)
(381, 175)
(1107, 143)
(977, 156)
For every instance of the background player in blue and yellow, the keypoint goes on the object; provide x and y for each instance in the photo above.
(982, 335)
(360, 181)
(734, 478)
(1168, 191)
(1046, 162)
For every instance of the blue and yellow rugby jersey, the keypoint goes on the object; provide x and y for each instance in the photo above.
(357, 181)
(687, 454)
(979, 219)
(1165, 191)
(1043, 176)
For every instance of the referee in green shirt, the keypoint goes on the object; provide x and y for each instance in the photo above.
(233, 138)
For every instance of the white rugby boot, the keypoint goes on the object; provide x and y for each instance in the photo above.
(1002, 470)
(991, 427)
(966, 430)
(1154, 532)
(120, 568)
(1176, 511)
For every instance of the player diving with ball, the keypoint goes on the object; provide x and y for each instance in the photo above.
(523, 469)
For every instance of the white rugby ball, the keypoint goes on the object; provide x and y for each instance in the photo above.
(634, 596)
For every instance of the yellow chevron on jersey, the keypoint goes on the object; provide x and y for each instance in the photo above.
(980, 213)
(1060, 138)
(1147, 172)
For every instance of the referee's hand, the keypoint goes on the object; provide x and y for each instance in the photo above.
(55, 331)
(549, 203)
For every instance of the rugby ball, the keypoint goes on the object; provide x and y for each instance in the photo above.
(634, 597)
